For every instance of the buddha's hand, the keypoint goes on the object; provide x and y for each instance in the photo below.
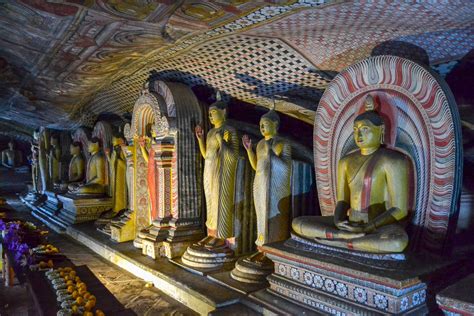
(247, 142)
(199, 132)
(350, 227)
(226, 136)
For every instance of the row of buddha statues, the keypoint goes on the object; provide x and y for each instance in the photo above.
(372, 189)
(371, 177)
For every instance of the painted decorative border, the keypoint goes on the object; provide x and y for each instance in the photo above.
(428, 130)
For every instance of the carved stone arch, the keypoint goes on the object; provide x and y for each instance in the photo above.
(422, 121)
(184, 112)
(145, 111)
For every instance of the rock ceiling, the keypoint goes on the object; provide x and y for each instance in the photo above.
(64, 62)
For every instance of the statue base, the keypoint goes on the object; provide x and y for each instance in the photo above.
(252, 269)
(46, 209)
(325, 279)
(79, 209)
(181, 238)
(170, 241)
(32, 198)
(201, 256)
(457, 299)
(122, 229)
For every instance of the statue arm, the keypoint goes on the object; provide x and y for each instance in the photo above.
(397, 175)
(252, 157)
(202, 147)
(343, 193)
(100, 175)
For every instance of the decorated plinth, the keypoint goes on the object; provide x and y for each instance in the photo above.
(78, 209)
(342, 282)
(458, 299)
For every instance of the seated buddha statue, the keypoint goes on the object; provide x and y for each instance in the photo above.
(372, 195)
(96, 173)
(76, 165)
(11, 157)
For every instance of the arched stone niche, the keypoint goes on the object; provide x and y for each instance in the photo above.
(421, 120)
(170, 111)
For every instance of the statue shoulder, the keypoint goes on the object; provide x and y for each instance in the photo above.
(394, 157)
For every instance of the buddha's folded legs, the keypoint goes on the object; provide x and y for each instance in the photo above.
(320, 227)
(387, 239)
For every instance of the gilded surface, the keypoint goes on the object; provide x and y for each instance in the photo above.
(372, 194)
(272, 183)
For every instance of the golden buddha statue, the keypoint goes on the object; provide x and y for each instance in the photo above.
(76, 165)
(95, 181)
(54, 160)
(271, 186)
(117, 172)
(271, 195)
(221, 154)
(372, 195)
(11, 158)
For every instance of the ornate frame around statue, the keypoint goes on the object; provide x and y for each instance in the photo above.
(173, 110)
(423, 122)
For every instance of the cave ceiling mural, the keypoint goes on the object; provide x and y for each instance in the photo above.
(64, 62)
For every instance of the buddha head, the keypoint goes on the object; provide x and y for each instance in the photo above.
(54, 140)
(269, 124)
(369, 127)
(117, 140)
(75, 148)
(94, 145)
(217, 113)
(11, 145)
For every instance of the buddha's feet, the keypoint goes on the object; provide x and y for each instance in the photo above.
(252, 269)
(208, 253)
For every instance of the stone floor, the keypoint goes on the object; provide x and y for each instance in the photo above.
(131, 291)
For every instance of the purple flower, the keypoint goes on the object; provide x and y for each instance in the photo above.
(3, 226)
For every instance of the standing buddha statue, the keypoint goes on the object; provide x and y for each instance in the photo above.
(54, 160)
(271, 193)
(372, 195)
(221, 152)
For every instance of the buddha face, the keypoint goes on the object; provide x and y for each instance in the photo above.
(11, 145)
(54, 141)
(74, 150)
(117, 141)
(268, 128)
(93, 147)
(216, 116)
(367, 135)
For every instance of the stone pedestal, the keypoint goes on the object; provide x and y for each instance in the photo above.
(122, 229)
(252, 270)
(337, 281)
(199, 256)
(458, 299)
(78, 209)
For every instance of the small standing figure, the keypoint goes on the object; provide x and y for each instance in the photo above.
(54, 160)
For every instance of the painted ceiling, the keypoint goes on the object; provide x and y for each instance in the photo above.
(64, 62)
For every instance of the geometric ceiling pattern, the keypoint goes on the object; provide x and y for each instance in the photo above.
(63, 63)
(335, 37)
